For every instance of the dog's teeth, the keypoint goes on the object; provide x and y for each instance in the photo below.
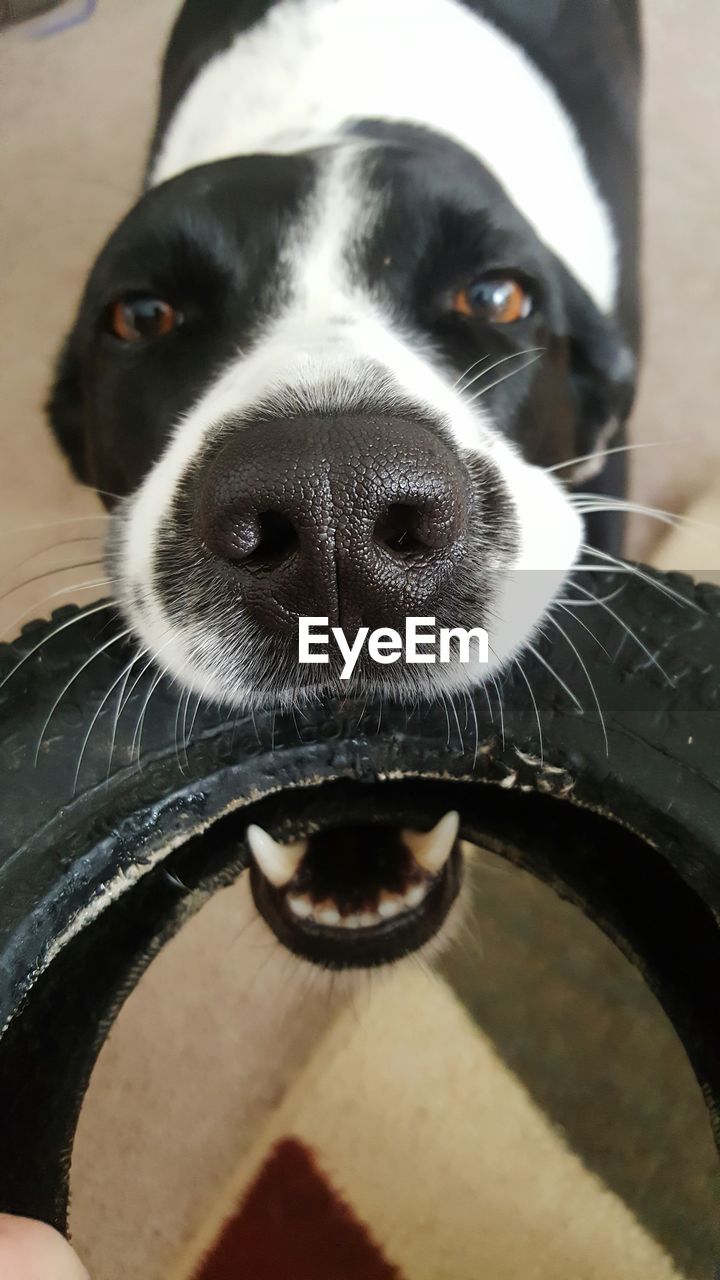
(278, 862)
(351, 921)
(300, 905)
(327, 915)
(389, 905)
(415, 895)
(431, 849)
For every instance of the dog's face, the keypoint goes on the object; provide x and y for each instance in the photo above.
(330, 383)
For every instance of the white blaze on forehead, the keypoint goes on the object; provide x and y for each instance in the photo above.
(310, 66)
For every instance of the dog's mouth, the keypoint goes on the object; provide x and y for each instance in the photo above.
(357, 896)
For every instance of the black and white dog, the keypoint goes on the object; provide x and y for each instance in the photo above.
(381, 285)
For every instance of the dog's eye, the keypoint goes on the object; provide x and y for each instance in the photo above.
(497, 299)
(141, 317)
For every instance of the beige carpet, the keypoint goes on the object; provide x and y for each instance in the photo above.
(199, 1085)
(442, 1153)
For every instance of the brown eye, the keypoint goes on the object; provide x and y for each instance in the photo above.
(497, 299)
(139, 318)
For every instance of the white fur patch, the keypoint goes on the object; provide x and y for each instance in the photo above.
(311, 66)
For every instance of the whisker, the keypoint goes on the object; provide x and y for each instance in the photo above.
(580, 659)
(119, 705)
(51, 524)
(457, 722)
(62, 591)
(106, 493)
(588, 604)
(469, 369)
(553, 672)
(183, 740)
(441, 698)
(137, 736)
(53, 546)
(563, 604)
(521, 669)
(471, 705)
(83, 667)
(127, 696)
(605, 453)
(157, 677)
(49, 573)
(595, 570)
(186, 732)
(634, 570)
(181, 696)
(201, 696)
(123, 675)
(514, 355)
(486, 691)
(501, 709)
(621, 622)
(86, 613)
(591, 503)
(511, 374)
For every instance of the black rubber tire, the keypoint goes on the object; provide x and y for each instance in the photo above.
(630, 831)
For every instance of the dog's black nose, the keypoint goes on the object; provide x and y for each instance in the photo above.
(359, 519)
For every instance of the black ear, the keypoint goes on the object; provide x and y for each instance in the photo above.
(602, 369)
(64, 409)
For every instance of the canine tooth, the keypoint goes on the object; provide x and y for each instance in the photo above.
(278, 862)
(432, 848)
(300, 905)
(389, 905)
(327, 915)
(415, 895)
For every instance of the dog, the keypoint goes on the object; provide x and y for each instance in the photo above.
(370, 327)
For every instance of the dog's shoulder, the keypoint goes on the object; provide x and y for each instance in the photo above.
(202, 29)
(591, 53)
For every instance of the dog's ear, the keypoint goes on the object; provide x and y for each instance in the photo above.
(602, 373)
(64, 409)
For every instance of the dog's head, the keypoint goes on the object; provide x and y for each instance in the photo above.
(333, 383)
(330, 383)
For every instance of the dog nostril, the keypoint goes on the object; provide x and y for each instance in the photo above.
(399, 529)
(277, 539)
(258, 542)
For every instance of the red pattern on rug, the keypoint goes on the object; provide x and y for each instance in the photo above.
(292, 1225)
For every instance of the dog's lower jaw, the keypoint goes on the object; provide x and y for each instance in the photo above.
(353, 954)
